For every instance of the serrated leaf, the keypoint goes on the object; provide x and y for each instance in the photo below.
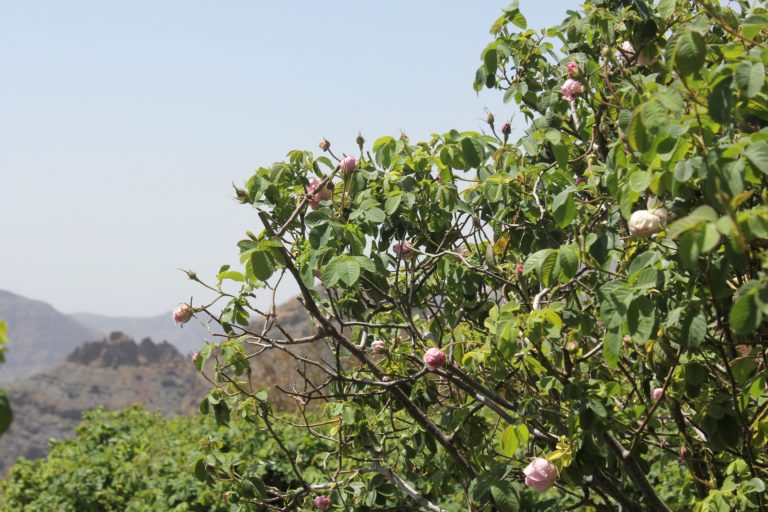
(720, 103)
(750, 77)
(757, 154)
(564, 208)
(666, 8)
(548, 273)
(641, 319)
(569, 262)
(470, 152)
(690, 51)
(505, 496)
(745, 316)
(344, 269)
(694, 329)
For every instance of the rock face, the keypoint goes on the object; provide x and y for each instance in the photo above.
(115, 373)
(39, 336)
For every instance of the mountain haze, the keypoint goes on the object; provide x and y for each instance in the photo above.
(39, 335)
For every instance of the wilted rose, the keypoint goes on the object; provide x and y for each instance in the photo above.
(322, 502)
(378, 347)
(182, 314)
(404, 250)
(434, 358)
(316, 195)
(540, 474)
(570, 89)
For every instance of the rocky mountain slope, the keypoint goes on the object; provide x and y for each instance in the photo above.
(186, 340)
(115, 372)
(39, 336)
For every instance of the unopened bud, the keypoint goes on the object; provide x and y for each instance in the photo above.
(182, 314)
(359, 139)
(506, 129)
(325, 144)
(241, 195)
(490, 119)
(378, 347)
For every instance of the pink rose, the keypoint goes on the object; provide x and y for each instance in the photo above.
(573, 69)
(657, 393)
(404, 250)
(182, 314)
(540, 474)
(378, 347)
(322, 502)
(349, 164)
(570, 89)
(316, 195)
(434, 358)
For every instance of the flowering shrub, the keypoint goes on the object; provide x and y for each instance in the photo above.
(631, 369)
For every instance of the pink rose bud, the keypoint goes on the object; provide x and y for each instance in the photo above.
(519, 271)
(657, 393)
(506, 129)
(325, 144)
(182, 314)
(349, 164)
(194, 356)
(570, 89)
(316, 195)
(378, 347)
(434, 358)
(683, 451)
(322, 502)
(644, 223)
(573, 69)
(404, 250)
(540, 474)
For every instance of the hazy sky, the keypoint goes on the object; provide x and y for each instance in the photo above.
(123, 124)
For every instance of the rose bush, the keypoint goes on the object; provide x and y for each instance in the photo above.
(555, 323)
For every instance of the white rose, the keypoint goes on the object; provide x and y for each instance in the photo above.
(646, 223)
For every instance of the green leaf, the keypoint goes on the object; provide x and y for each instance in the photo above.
(564, 208)
(509, 441)
(750, 77)
(505, 496)
(491, 60)
(6, 416)
(534, 261)
(549, 269)
(757, 154)
(696, 217)
(694, 329)
(639, 181)
(637, 135)
(666, 8)
(470, 152)
(641, 319)
(344, 269)
(720, 103)
(745, 316)
(612, 347)
(392, 204)
(375, 215)
(689, 52)
(569, 262)
(261, 265)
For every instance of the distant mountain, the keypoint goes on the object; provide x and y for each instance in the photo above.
(115, 372)
(39, 336)
(186, 339)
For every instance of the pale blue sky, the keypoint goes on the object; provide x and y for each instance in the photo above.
(123, 124)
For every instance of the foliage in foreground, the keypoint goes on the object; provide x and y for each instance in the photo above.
(593, 294)
(129, 460)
